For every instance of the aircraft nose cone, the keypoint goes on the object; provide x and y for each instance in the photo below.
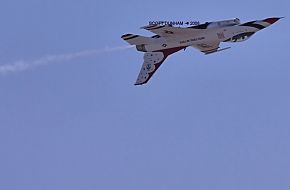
(272, 20)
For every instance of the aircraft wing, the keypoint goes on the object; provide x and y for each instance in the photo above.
(152, 61)
(170, 31)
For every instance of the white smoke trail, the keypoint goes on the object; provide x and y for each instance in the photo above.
(25, 65)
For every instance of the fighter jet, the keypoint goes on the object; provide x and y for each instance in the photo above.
(204, 37)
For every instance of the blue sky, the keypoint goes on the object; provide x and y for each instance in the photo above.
(202, 122)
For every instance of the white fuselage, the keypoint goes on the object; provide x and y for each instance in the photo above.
(196, 39)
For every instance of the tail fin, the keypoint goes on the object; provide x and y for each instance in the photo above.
(136, 39)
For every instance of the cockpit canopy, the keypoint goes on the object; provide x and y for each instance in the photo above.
(224, 23)
(217, 24)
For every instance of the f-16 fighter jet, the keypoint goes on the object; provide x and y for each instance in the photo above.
(204, 37)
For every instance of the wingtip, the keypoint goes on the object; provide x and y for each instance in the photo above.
(138, 84)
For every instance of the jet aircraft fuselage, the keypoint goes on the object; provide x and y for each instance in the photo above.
(204, 37)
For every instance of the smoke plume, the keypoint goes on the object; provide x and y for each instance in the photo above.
(22, 65)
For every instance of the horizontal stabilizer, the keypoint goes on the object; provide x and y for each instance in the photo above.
(136, 39)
